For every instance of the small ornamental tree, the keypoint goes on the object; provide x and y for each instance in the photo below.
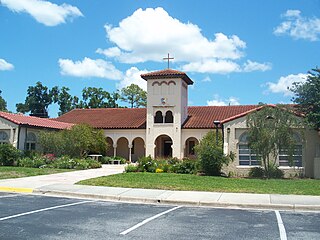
(210, 154)
(272, 129)
(79, 141)
(307, 96)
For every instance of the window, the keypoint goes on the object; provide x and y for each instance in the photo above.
(246, 156)
(169, 117)
(158, 118)
(296, 161)
(31, 141)
(4, 138)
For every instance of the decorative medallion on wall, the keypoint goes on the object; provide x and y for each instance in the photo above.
(163, 100)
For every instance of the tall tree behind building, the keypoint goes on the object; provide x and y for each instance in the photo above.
(134, 96)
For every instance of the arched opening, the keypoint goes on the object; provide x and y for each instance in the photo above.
(109, 151)
(123, 148)
(163, 147)
(189, 147)
(31, 141)
(4, 138)
(158, 118)
(169, 117)
(138, 149)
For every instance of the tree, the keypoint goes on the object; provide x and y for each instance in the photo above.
(65, 101)
(210, 154)
(79, 141)
(134, 95)
(307, 96)
(272, 129)
(3, 103)
(38, 99)
(98, 98)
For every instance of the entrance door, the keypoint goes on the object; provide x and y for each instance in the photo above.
(167, 149)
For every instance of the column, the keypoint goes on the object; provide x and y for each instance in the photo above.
(114, 150)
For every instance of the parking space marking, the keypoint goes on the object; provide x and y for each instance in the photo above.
(282, 230)
(148, 220)
(12, 195)
(42, 210)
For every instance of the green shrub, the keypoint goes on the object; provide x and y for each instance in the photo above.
(147, 164)
(187, 166)
(131, 168)
(259, 172)
(8, 155)
(108, 160)
(66, 162)
(35, 162)
(256, 172)
(93, 163)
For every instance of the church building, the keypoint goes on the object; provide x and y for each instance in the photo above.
(167, 127)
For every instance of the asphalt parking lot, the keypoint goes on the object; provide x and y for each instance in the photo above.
(42, 217)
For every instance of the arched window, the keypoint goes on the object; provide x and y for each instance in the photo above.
(4, 138)
(158, 118)
(168, 117)
(246, 155)
(31, 141)
(296, 161)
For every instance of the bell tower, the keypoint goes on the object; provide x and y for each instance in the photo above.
(167, 110)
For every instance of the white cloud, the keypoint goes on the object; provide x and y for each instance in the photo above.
(220, 102)
(5, 66)
(44, 12)
(299, 27)
(133, 76)
(250, 66)
(147, 35)
(285, 83)
(206, 79)
(89, 68)
(212, 66)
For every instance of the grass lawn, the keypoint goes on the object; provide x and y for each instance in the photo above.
(17, 172)
(205, 183)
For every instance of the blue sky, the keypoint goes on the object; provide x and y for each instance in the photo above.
(237, 52)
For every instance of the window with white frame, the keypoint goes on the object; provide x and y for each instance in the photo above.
(296, 160)
(246, 156)
(31, 141)
(4, 138)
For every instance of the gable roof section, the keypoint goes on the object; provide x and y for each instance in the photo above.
(108, 118)
(167, 73)
(20, 119)
(204, 116)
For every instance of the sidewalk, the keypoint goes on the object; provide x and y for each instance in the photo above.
(62, 184)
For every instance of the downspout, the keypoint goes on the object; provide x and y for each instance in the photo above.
(222, 133)
(25, 140)
(18, 140)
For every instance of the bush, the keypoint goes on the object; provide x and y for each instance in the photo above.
(35, 162)
(259, 172)
(147, 164)
(66, 162)
(108, 160)
(211, 154)
(187, 166)
(8, 155)
(256, 172)
(131, 168)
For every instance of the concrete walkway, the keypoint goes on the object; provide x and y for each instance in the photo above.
(62, 184)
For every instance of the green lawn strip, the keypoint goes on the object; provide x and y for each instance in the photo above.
(17, 172)
(185, 182)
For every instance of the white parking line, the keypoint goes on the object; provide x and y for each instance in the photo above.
(13, 195)
(42, 210)
(282, 230)
(148, 220)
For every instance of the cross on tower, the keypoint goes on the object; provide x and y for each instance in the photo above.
(168, 58)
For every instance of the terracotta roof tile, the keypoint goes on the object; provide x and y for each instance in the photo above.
(108, 118)
(34, 121)
(203, 117)
(167, 73)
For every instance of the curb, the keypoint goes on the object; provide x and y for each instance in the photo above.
(16, 189)
(126, 199)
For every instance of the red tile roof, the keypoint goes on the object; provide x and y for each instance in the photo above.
(167, 73)
(108, 118)
(135, 118)
(203, 117)
(34, 121)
